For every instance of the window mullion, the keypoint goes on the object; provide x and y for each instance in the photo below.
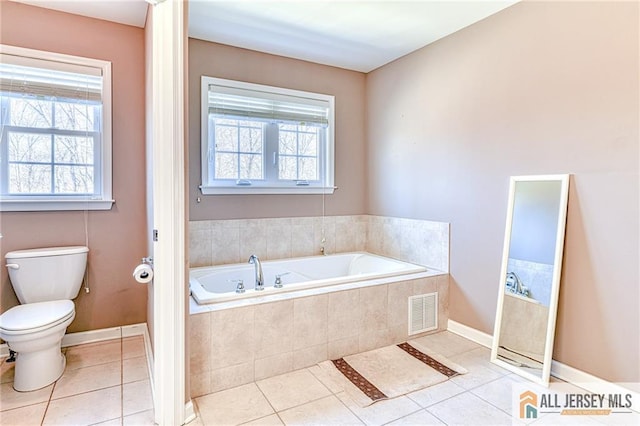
(4, 144)
(52, 165)
(271, 152)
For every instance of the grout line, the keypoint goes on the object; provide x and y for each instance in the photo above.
(265, 397)
(46, 409)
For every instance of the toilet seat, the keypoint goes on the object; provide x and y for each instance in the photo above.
(34, 317)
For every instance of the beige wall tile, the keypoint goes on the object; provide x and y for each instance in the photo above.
(309, 321)
(344, 313)
(200, 243)
(303, 242)
(373, 308)
(279, 240)
(199, 383)
(232, 332)
(398, 302)
(230, 377)
(351, 234)
(273, 328)
(424, 285)
(325, 227)
(225, 243)
(442, 284)
(273, 365)
(309, 356)
(200, 342)
(342, 347)
(253, 239)
(372, 339)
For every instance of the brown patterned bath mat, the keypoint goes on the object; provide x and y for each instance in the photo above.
(389, 372)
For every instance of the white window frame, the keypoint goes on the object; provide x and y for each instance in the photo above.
(52, 202)
(326, 148)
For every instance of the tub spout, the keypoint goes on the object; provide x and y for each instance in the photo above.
(259, 277)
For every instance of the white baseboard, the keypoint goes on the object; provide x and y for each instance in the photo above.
(93, 336)
(559, 370)
(189, 412)
(472, 334)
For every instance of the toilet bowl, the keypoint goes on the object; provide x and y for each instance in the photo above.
(35, 332)
(44, 280)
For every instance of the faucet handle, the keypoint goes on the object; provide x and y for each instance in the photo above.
(278, 283)
(240, 287)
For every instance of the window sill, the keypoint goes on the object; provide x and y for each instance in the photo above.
(54, 205)
(246, 190)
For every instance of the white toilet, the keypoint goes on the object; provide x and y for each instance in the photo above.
(45, 280)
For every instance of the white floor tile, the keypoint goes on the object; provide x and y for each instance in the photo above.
(322, 412)
(136, 397)
(468, 409)
(499, 392)
(86, 408)
(447, 344)
(382, 411)
(271, 420)
(437, 393)
(292, 389)
(422, 418)
(10, 398)
(233, 406)
(80, 380)
(29, 415)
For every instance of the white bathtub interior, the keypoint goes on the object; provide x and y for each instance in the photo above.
(217, 284)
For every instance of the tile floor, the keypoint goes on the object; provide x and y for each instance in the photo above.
(105, 383)
(306, 397)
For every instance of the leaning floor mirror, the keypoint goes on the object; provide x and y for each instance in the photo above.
(530, 275)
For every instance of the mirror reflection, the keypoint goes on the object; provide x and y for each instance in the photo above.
(527, 302)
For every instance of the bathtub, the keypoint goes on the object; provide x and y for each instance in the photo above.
(213, 284)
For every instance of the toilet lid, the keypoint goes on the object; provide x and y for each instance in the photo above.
(36, 315)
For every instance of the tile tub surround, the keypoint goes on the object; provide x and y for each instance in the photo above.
(232, 347)
(216, 242)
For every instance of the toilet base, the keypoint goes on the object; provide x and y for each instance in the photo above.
(36, 370)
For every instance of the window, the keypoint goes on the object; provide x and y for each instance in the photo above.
(265, 140)
(55, 122)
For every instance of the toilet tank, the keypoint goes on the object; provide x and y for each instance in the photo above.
(44, 274)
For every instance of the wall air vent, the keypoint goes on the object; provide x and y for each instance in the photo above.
(423, 313)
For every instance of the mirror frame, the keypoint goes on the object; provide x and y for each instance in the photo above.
(555, 284)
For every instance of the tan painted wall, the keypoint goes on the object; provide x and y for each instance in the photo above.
(116, 237)
(148, 52)
(541, 87)
(348, 87)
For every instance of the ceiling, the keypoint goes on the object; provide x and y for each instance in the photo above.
(360, 35)
(129, 12)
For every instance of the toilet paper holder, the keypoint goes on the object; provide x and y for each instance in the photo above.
(147, 260)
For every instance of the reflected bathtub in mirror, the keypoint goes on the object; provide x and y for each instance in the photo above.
(530, 275)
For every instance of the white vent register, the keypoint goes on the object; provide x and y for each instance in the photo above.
(423, 313)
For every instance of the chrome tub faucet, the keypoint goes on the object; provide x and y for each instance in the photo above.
(259, 277)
